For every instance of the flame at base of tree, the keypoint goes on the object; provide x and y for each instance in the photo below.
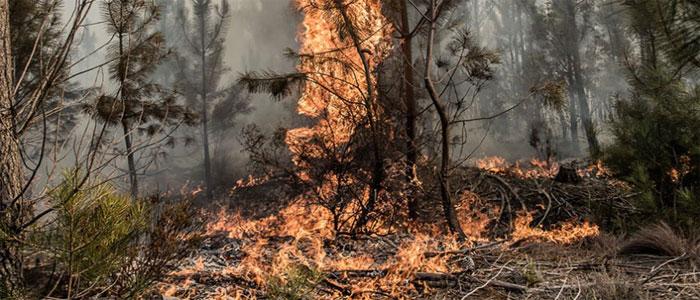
(336, 94)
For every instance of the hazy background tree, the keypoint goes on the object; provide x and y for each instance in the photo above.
(201, 70)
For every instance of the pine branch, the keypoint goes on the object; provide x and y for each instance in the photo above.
(277, 85)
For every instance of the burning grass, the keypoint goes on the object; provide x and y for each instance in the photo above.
(327, 244)
(294, 253)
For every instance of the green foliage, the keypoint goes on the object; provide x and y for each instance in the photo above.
(100, 243)
(91, 236)
(531, 274)
(655, 148)
(297, 283)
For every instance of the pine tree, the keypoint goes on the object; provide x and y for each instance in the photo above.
(138, 105)
(201, 68)
(656, 129)
(19, 110)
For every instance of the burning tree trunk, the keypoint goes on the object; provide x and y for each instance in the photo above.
(10, 166)
(369, 102)
(440, 107)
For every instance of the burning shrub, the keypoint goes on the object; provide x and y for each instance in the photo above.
(100, 243)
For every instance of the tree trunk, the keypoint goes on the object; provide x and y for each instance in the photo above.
(204, 111)
(586, 119)
(11, 204)
(578, 89)
(445, 194)
(573, 115)
(377, 163)
(133, 180)
(410, 102)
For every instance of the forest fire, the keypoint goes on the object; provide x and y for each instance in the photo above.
(300, 237)
(140, 157)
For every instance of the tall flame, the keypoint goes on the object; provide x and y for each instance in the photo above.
(336, 84)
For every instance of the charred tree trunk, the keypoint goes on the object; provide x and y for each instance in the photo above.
(133, 180)
(410, 102)
(124, 69)
(11, 214)
(587, 120)
(440, 107)
(567, 174)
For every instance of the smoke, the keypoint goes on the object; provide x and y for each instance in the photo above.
(259, 32)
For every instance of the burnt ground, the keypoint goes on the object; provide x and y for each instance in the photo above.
(653, 264)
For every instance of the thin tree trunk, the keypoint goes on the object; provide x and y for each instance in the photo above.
(586, 119)
(11, 214)
(377, 164)
(578, 90)
(573, 116)
(133, 179)
(447, 204)
(204, 111)
(410, 102)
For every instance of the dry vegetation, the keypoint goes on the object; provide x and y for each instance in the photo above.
(261, 251)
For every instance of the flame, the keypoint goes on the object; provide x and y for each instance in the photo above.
(335, 93)
(540, 168)
(250, 182)
(566, 233)
(197, 190)
(299, 233)
(537, 169)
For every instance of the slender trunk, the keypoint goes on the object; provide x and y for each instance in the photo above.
(124, 65)
(573, 116)
(586, 119)
(133, 180)
(647, 46)
(445, 194)
(11, 205)
(377, 164)
(204, 111)
(578, 90)
(410, 102)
